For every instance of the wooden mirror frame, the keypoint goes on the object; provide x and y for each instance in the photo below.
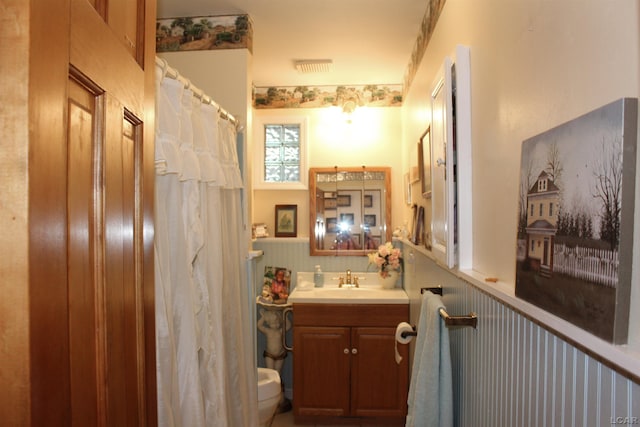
(314, 197)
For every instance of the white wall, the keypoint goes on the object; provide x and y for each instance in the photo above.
(534, 65)
(373, 138)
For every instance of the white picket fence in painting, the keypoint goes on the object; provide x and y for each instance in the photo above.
(595, 265)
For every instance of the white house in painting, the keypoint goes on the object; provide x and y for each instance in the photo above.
(543, 201)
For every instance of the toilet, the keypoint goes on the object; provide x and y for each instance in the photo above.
(269, 393)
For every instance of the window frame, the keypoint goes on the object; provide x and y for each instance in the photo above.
(258, 175)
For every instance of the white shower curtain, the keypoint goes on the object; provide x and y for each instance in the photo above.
(205, 372)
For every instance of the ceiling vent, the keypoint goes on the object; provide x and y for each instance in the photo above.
(314, 65)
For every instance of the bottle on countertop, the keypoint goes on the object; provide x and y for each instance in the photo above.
(318, 277)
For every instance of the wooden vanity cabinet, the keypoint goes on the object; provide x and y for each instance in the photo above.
(344, 366)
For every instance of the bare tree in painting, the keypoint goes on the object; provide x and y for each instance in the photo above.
(554, 169)
(607, 170)
(554, 166)
(526, 182)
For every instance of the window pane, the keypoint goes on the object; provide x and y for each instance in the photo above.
(272, 173)
(272, 154)
(292, 173)
(273, 134)
(291, 154)
(282, 153)
(292, 134)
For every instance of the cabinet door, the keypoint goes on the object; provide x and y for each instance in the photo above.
(379, 385)
(321, 371)
(443, 165)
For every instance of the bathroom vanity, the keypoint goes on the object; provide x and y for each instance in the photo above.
(344, 366)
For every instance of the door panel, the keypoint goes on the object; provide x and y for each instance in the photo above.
(91, 195)
(321, 380)
(123, 309)
(81, 263)
(379, 385)
(123, 19)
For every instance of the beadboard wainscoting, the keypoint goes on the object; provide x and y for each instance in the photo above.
(510, 371)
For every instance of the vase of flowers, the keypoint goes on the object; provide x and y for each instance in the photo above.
(388, 260)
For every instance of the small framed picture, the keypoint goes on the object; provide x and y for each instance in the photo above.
(424, 157)
(330, 203)
(407, 189)
(260, 230)
(347, 218)
(368, 200)
(370, 220)
(275, 285)
(344, 200)
(332, 225)
(286, 221)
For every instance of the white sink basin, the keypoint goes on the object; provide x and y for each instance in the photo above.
(368, 292)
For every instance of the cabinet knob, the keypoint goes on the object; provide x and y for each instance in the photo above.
(354, 351)
(346, 351)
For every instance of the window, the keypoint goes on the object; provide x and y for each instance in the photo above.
(551, 209)
(541, 205)
(531, 214)
(542, 185)
(280, 154)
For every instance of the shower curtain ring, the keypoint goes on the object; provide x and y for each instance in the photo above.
(165, 67)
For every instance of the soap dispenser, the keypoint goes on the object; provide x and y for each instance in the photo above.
(318, 277)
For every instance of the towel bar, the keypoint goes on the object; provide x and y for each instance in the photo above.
(470, 320)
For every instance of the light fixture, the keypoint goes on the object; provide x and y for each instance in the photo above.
(349, 106)
(314, 65)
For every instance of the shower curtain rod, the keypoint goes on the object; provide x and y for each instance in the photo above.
(197, 92)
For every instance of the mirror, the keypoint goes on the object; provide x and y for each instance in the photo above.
(350, 210)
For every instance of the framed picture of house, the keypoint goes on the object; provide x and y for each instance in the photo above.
(286, 221)
(575, 219)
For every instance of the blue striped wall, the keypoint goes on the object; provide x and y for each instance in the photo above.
(512, 372)
(509, 371)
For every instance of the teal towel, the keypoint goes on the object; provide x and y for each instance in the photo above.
(430, 401)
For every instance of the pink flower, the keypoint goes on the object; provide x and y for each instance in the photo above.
(386, 258)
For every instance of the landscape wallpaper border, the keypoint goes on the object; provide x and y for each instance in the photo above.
(204, 33)
(327, 96)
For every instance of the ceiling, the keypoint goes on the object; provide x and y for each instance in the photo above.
(369, 41)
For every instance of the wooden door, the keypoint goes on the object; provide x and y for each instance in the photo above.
(379, 385)
(321, 371)
(91, 185)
